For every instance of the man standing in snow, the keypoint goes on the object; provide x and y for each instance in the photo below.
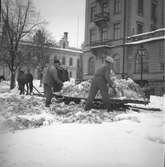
(49, 80)
(29, 82)
(99, 82)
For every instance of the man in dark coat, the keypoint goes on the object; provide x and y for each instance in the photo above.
(99, 82)
(49, 80)
(21, 81)
(29, 82)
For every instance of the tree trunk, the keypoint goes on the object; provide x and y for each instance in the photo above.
(12, 80)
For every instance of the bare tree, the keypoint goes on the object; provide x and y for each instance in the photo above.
(19, 20)
(42, 41)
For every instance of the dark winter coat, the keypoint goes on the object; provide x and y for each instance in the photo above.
(51, 76)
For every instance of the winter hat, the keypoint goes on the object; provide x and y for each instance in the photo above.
(109, 59)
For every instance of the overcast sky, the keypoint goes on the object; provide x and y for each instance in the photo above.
(64, 16)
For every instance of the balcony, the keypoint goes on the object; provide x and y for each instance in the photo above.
(101, 19)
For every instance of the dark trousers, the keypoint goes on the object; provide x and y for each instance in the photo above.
(48, 94)
(98, 83)
(21, 87)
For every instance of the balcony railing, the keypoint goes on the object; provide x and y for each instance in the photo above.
(101, 18)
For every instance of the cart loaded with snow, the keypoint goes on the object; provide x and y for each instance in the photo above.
(127, 92)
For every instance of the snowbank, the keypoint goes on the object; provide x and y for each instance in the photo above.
(70, 137)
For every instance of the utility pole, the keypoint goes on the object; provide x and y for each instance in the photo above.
(77, 30)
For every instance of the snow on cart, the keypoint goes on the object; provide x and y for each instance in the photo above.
(127, 91)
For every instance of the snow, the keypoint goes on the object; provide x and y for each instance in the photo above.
(147, 33)
(145, 40)
(121, 139)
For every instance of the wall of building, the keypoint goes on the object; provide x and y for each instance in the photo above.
(117, 48)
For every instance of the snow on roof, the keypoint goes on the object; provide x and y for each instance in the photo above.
(146, 40)
(55, 47)
(100, 46)
(67, 50)
(147, 33)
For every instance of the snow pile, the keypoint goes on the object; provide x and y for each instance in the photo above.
(125, 89)
(132, 139)
(75, 113)
(21, 111)
(80, 90)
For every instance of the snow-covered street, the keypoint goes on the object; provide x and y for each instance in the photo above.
(34, 136)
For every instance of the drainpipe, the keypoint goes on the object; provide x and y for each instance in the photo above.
(124, 34)
(163, 13)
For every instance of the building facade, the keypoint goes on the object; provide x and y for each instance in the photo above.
(132, 32)
(70, 58)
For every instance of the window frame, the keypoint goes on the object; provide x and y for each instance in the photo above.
(70, 61)
(153, 14)
(92, 13)
(104, 34)
(63, 60)
(117, 7)
(105, 7)
(92, 35)
(141, 24)
(91, 67)
(117, 30)
(140, 7)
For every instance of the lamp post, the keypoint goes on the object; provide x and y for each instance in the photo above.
(141, 53)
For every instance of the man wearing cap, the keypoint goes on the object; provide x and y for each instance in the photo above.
(99, 82)
(49, 80)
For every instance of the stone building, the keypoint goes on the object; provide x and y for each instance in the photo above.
(69, 57)
(132, 32)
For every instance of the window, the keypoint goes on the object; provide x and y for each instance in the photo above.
(117, 7)
(162, 67)
(153, 12)
(139, 28)
(63, 45)
(117, 31)
(70, 62)
(78, 63)
(93, 12)
(92, 35)
(70, 74)
(63, 60)
(116, 58)
(105, 7)
(139, 66)
(104, 34)
(140, 7)
(91, 66)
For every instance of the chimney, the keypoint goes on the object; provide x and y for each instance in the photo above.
(64, 43)
(66, 35)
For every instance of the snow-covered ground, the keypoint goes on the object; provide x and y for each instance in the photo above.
(34, 136)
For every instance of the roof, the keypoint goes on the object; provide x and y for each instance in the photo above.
(67, 50)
